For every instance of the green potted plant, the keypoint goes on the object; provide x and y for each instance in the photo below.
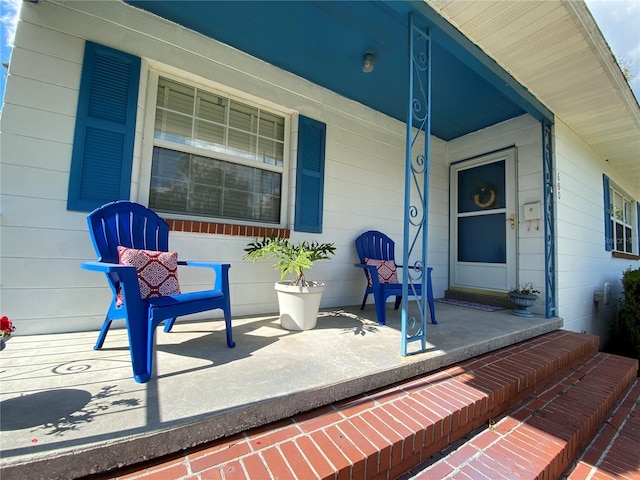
(298, 300)
(523, 297)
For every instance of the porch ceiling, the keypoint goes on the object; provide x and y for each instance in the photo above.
(325, 41)
(556, 49)
(552, 46)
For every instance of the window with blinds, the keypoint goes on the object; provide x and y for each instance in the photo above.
(214, 156)
(621, 210)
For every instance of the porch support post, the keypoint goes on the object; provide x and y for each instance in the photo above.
(549, 222)
(416, 188)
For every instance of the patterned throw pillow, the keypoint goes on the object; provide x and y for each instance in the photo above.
(157, 272)
(386, 270)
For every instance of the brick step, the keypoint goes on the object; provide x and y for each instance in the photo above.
(541, 437)
(382, 434)
(615, 451)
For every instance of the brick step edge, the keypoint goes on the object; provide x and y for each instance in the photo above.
(540, 438)
(615, 451)
(384, 433)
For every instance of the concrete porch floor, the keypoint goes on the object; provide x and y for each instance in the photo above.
(68, 411)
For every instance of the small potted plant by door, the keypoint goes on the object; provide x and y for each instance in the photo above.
(523, 297)
(298, 300)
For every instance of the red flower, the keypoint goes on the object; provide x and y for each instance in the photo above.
(6, 326)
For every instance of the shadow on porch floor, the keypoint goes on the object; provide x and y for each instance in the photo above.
(68, 411)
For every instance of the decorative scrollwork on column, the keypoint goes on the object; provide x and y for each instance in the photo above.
(549, 225)
(416, 207)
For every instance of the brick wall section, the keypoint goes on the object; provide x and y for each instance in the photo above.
(385, 433)
(225, 229)
(546, 432)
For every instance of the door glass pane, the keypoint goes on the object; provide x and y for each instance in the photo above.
(481, 238)
(482, 188)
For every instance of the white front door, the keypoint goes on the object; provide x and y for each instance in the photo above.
(483, 223)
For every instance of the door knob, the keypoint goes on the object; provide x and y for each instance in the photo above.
(512, 219)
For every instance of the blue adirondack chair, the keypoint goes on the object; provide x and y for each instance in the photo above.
(376, 245)
(132, 225)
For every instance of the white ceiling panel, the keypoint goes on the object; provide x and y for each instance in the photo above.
(555, 49)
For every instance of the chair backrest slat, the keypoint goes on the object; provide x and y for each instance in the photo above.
(128, 224)
(123, 229)
(375, 245)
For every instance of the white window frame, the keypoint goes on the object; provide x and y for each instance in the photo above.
(614, 193)
(149, 142)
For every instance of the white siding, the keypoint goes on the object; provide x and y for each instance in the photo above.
(43, 287)
(583, 263)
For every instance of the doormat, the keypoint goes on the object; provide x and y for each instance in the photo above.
(476, 306)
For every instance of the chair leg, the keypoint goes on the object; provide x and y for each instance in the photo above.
(381, 309)
(398, 301)
(103, 334)
(141, 340)
(168, 324)
(227, 324)
(151, 340)
(364, 301)
(432, 306)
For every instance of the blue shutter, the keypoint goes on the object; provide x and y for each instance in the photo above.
(105, 128)
(310, 175)
(608, 233)
(638, 225)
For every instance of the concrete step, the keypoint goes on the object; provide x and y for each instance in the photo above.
(541, 437)
(383, 434)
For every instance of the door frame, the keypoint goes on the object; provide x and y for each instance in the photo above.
(501, 281)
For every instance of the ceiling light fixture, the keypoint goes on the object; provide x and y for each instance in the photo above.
(367, 63)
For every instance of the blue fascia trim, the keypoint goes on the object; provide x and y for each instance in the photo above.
(468, 52)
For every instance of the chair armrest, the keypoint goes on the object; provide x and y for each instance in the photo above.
(364, 266)
(122, 271)
(125, 275)
(372, 271)
(221, 270)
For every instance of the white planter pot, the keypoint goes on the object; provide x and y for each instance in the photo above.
(299, 305)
